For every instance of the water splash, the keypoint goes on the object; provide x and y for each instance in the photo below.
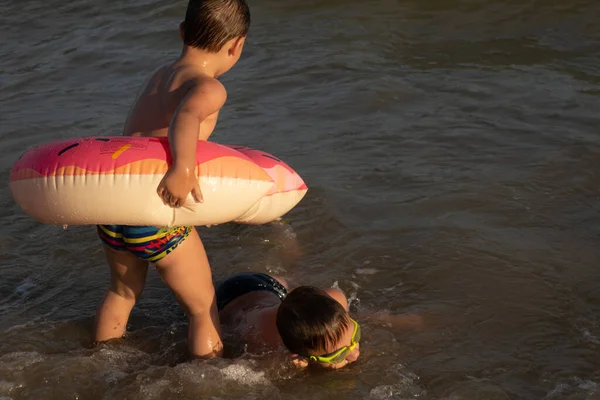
(576, 388)
(407, 388)
(352, 295)
(244, 375)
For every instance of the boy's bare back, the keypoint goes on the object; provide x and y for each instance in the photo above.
(164, 92)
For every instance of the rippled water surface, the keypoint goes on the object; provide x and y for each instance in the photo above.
(452, 153)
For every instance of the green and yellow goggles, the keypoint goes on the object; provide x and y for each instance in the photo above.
(340, 355)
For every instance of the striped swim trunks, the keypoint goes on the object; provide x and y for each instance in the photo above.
(147, 242)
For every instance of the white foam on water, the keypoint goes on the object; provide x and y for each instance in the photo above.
(155, 389)
(589, 385)
(20, 360)
(398, 391)
(12, 370)
(575, 389)
(366, 271)
(113, 377)
(588, 336)
(244, 375)
(25, 287)
(123, 358)
(6, 388)
(126, 372)
(199, 379)
(391, 392)
(352, 295)
(275, 270)
(404, 387)
(393, 287)
(558, 390)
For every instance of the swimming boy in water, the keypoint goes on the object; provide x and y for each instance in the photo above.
(312, 323)
(181, 100)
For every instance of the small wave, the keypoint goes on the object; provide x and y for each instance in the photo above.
(589, 336)
(12, 369)
(366, 271)
(405, 389)
(351, 295)
(129, 373)
(203, 380)
(18, 361)
(244, 375)
(26, 287)
(573, 389)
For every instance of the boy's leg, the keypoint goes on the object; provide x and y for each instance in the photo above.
(128, 276)
(187, 272)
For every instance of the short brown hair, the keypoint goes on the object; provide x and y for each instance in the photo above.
(209, 24)
(309, 319)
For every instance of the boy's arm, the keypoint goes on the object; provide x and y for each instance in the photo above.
(202, 100)
(396, 321)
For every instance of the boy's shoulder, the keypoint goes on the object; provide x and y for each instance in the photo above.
(190, 77)
(204, 83)
(205, 93)
(191, 85)
(338, 296)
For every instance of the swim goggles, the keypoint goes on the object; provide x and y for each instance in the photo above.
(340, 355)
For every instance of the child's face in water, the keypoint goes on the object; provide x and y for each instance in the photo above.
(348, 340)
(337, 355)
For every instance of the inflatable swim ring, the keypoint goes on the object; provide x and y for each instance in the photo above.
(287, 191)
(113, 180)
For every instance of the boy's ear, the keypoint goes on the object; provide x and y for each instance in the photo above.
(299, 361)
(236, 46)
(182, 30)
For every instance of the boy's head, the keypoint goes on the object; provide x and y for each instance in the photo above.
(317, 328)
(216, 26)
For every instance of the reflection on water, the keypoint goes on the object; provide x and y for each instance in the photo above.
(452, 155)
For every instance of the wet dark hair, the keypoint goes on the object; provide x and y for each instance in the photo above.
(309, 319)
(209, 24)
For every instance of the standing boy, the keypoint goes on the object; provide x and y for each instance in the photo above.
(181, 100)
